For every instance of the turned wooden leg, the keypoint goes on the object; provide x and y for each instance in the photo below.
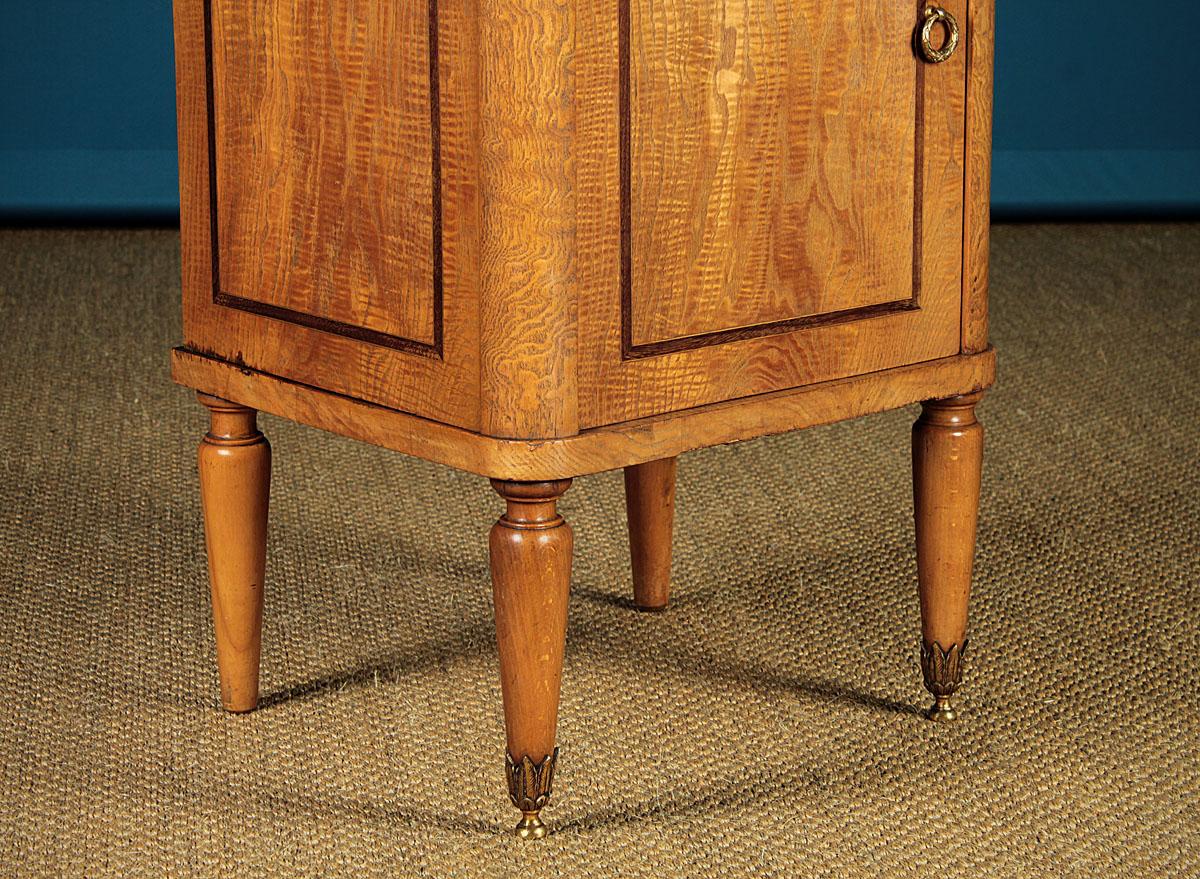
(235, 481)
(947, 463)
(650, 509)
(531, 573)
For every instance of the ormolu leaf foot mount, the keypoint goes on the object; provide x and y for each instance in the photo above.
(942, 670)
(529, 789)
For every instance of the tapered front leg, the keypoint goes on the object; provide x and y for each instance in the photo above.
(947, 464)
(650, 509)
(531, 548)
(235, 482)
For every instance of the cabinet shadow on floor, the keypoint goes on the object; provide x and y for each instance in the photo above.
(394, 665)
(591, 638)
(679, 657)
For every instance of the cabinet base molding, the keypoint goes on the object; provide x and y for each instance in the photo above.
(595, 449)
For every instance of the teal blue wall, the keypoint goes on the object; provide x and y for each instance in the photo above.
(1097, 109)
(87, 109)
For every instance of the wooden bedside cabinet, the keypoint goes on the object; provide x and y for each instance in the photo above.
(538, 239)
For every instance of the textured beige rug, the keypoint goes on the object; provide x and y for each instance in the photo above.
(767, 725)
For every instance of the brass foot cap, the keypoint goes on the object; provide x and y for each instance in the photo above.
(942, 711)
(531, 826)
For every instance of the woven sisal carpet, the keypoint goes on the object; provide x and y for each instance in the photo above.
(767, 725)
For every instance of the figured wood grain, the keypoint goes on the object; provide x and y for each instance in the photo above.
(445, 388)
(597, 449)
(527, 284)
(326, 169)
(614, 387)
(772, 161)
(977, 191)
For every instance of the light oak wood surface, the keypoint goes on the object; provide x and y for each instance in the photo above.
(235, 486)
(543, 284)
(531, 546)
(527, 284)
(619, 380)
(650, 510)
(773, 162)
(978, 182)
(947, 467)
(539, 239)
(304, 346)
(325, 160)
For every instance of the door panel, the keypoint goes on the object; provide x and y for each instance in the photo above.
(772, 197)
(772, 162)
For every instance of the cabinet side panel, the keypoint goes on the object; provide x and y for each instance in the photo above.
(443, 384)
(326, 198)
(978, 188)
(191, 113)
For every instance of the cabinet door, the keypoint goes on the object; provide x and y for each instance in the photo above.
(770, 195)
(326, 165)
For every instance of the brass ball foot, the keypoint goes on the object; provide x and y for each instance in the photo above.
(531, 826)
(941, 710)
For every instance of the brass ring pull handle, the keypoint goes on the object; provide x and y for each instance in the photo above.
(936, 15)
